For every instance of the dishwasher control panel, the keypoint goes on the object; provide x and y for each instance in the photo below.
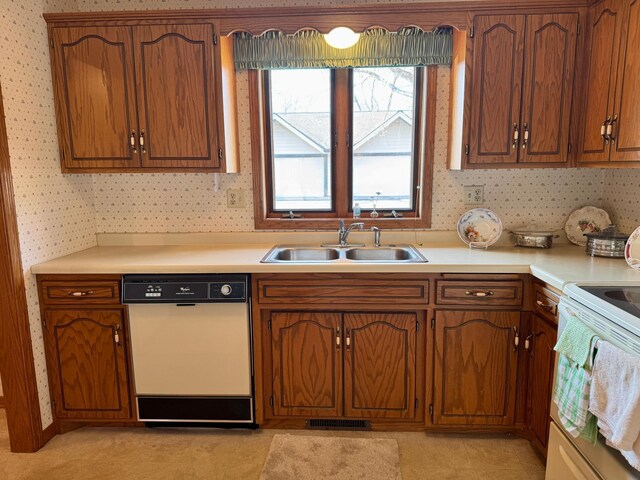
(185, 288)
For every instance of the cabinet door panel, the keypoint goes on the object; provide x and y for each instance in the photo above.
(176, 99)
(548, 87)
(496, 88)
(380, 365)
(307, 378)
(541, 362)
(95, 96)
(475, 367)
(599, 87)
(627, 127)
(88, 366)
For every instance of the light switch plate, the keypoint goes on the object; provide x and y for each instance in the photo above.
(474, 194)
(235, 198)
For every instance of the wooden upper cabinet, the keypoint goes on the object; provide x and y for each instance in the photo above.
(176, 95)
(496, 88)
(475, 369)
(380, 365)
(596, 106)
(87, 363)
(145, 97)
(548, 86)
(539, 344)
(307, 364)
(626, 113)
(521, 90)
(95, 97)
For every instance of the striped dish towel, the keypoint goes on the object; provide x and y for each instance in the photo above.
(571, 394)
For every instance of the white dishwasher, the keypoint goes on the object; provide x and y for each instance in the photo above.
(191, 348)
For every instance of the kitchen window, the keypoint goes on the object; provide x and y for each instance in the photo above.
(335, 131)
(326, 141)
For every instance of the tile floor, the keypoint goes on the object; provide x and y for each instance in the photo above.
(140, 454)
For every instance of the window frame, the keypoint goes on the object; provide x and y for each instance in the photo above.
(341, 155)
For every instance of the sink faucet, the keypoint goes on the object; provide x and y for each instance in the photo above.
(343, 232)
(376, 236)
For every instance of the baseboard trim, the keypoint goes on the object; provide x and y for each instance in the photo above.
(49, 432)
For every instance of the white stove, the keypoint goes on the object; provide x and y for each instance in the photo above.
(618, 303)
(613, 312)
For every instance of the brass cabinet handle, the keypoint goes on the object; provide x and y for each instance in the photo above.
(132, 140)
(526, 135)
(603, 130)
(516, 338)
(527, 342)
(338, 338)
(544, 305)
(81, 293)
(348, 339)
(516, 135)
(116, 335)
(607, 130)
(142, 144)
(478, 293)
(612, 137)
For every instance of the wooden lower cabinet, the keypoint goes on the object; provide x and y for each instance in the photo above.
(307, 364)
(355, 365)
(475, 368)
(380, 365)
(539, 346)
(86, 351)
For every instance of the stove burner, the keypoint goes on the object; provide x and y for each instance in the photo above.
(625, 298)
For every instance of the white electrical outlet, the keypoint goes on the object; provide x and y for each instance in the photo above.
(235, 198)
(474, 195)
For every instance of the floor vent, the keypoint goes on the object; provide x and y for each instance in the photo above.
(330, 424)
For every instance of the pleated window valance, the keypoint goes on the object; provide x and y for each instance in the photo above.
(376, 48)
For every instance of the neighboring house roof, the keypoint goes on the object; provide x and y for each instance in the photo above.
(314, 126)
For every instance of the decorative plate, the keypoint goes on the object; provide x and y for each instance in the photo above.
(585, 220)
(632, 250)
(479, 227)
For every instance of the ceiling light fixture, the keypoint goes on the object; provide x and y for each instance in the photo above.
(342, 37)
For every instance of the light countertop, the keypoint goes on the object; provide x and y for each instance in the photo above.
(557, 266)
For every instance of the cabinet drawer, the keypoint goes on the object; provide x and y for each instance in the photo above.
(91, 292)
(450, 292)
(545, 302)
(343, 292)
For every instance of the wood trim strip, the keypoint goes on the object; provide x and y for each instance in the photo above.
(16, 355)
(324, 16)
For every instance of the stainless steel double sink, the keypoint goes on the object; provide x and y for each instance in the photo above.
(356, 254)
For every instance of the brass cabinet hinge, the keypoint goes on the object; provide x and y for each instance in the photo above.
(579, 28)
(53, 403)
(220, 153)
(569, 148)
(417, 326)
(271, 400)
(431, 411)
(51, 42)
(466, 149)
(215, 39)
(269, 325)
(416, 404)
(62, 155)
(472, 32)
(433, 323)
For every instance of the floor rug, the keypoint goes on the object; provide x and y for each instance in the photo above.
(308, 457)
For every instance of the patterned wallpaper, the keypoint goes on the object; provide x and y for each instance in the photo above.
(56, 213)
(622, 197)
